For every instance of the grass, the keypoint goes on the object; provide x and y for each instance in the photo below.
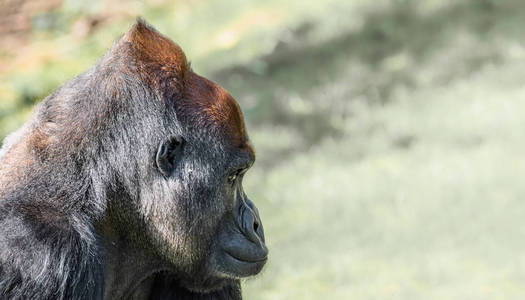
(367, 217)
(389, 138)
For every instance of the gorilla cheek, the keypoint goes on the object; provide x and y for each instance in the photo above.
(163, 221)
(183, 228)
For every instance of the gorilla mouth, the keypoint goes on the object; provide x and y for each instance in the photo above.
(238, 266)
(248, 260)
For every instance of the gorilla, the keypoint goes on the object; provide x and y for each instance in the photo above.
(126, 183)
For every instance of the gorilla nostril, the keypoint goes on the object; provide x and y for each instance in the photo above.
(255, 226)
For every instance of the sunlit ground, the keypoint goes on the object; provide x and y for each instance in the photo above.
(390, 137)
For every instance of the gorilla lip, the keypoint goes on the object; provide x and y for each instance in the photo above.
(262, 259)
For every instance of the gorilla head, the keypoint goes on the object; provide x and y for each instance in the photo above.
(194, 205)
(141, 161)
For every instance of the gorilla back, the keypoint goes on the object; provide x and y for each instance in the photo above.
(127, 183)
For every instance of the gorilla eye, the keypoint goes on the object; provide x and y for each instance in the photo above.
(232, 177)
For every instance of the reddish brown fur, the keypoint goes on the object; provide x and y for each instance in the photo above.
(212, 104)
(159, 60)
(203, 100)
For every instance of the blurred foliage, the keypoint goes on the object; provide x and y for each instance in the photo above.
(389, 133)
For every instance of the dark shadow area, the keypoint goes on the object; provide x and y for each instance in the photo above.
(383, 35)
(354, 64)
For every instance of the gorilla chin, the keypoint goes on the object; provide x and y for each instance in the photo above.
(224, 272)
(229, 264)
(237, 268)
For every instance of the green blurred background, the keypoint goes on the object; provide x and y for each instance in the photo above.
(390, 134)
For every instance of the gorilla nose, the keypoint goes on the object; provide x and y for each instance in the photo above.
(251, 225)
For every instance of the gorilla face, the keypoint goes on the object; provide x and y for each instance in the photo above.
(221, 234)
(202, 219)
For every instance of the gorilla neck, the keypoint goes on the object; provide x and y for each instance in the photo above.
(128, 270)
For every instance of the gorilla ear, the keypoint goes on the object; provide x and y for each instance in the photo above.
(167, 153)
